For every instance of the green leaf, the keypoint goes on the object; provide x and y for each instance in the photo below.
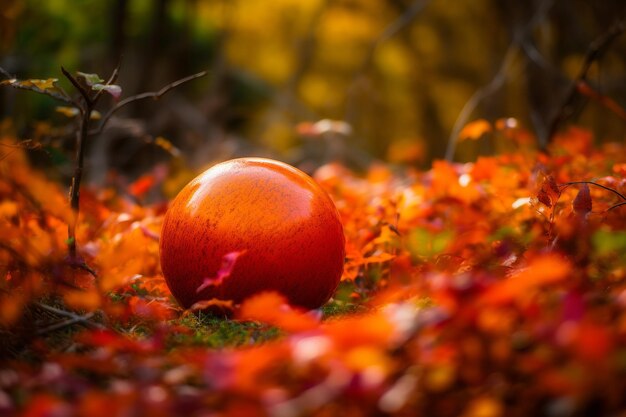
(90, 79)
(423, 243)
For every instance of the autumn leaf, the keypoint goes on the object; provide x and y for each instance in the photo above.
(272, 308)
(541, 271)
(228, 263)
(47, 84)
(114, 90)
(582, 204)
(549, 192)
(450, 278)
(474, 130)
(90, 79)
(142, 185)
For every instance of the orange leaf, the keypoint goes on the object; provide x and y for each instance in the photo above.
(272, 308)
(372, 329)
(82, 300)
(544, 270)
(474, 130)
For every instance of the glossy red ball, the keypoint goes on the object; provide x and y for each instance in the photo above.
(284, 227)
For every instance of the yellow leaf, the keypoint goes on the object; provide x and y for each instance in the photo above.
(47, 84)
(67, 111)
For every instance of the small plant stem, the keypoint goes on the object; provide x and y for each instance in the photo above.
(81, 135)
(86, 107)
(616, 206)
(567, 184)
(595, 51)
(155, 95)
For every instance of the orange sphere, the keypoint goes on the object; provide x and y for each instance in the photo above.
(283, 229)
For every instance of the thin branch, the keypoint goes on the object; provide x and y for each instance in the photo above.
(81, 137)
(72, 318)
(595, 51)
(567, 184)
(111, 80)
(478, 96)
(79, 263)
(605, 101)
(396, 26)
(79, 87)
(499, 78)
(406, 17)
(153, 94)
(623, 203)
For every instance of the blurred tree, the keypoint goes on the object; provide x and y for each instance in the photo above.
(405, 74)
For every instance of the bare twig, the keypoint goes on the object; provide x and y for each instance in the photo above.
(623, 203)
(111, 80)
(81, 137)
(567, 184)
(478, 96)
(499, 78)
(79, 263)
(80, 88)
(72, 318)
(607, 102)
(595, 51)
(153, 94)
(396, 26)
(406, 17)
(88, 105)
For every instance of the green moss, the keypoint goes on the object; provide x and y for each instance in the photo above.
(215, 332)
(336, 308)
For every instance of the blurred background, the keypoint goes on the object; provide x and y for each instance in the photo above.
(309, 81)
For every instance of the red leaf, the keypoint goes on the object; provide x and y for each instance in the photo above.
(549, 192)
(543, 197)
(582, 203)
(228, 263)
(142, 185)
